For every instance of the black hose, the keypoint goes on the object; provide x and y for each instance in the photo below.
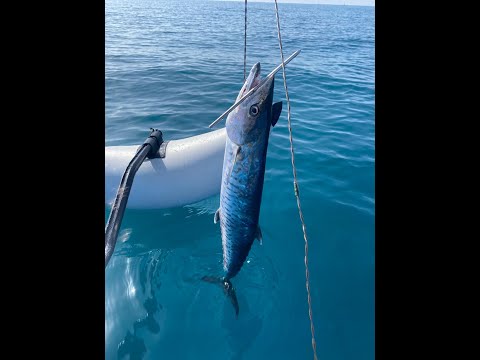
(149, 148)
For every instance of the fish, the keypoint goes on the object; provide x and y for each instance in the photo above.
(248, 129)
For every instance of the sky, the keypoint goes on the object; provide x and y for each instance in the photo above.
(330, 2)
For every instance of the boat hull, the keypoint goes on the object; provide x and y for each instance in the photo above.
(191, 171)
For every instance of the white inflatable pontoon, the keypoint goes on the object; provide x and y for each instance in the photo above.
(190, 171)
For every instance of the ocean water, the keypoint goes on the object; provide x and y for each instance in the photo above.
(176, 66)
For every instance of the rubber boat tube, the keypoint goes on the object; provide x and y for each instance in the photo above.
(191, 171)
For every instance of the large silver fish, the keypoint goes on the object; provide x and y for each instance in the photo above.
(248, 129)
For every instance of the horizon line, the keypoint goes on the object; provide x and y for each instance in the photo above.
(319, 2)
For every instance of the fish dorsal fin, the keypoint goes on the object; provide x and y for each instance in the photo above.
(276, 111)
(216, 217)
(259, 235)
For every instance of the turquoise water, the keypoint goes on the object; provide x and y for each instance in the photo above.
(176, 66)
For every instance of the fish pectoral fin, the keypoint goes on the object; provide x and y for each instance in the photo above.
(216, 217)
(237, 151)
(276, 111)
(259, 235)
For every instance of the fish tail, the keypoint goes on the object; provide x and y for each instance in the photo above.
(228, 289)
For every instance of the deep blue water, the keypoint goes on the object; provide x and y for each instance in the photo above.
(178, 65)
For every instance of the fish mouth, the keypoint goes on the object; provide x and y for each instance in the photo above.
(256, 76)
(253, 79)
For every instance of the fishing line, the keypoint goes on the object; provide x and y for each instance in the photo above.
(296, 189)
(294, 170)
(245, 47)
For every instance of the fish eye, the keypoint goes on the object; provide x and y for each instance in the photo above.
(254, 110)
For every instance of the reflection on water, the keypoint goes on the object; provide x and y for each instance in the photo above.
(156, 285)
(124, 301)
(133, 345)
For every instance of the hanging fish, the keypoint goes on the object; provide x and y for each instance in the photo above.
(248, 129)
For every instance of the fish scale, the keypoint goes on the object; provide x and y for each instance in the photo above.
(239, 205)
